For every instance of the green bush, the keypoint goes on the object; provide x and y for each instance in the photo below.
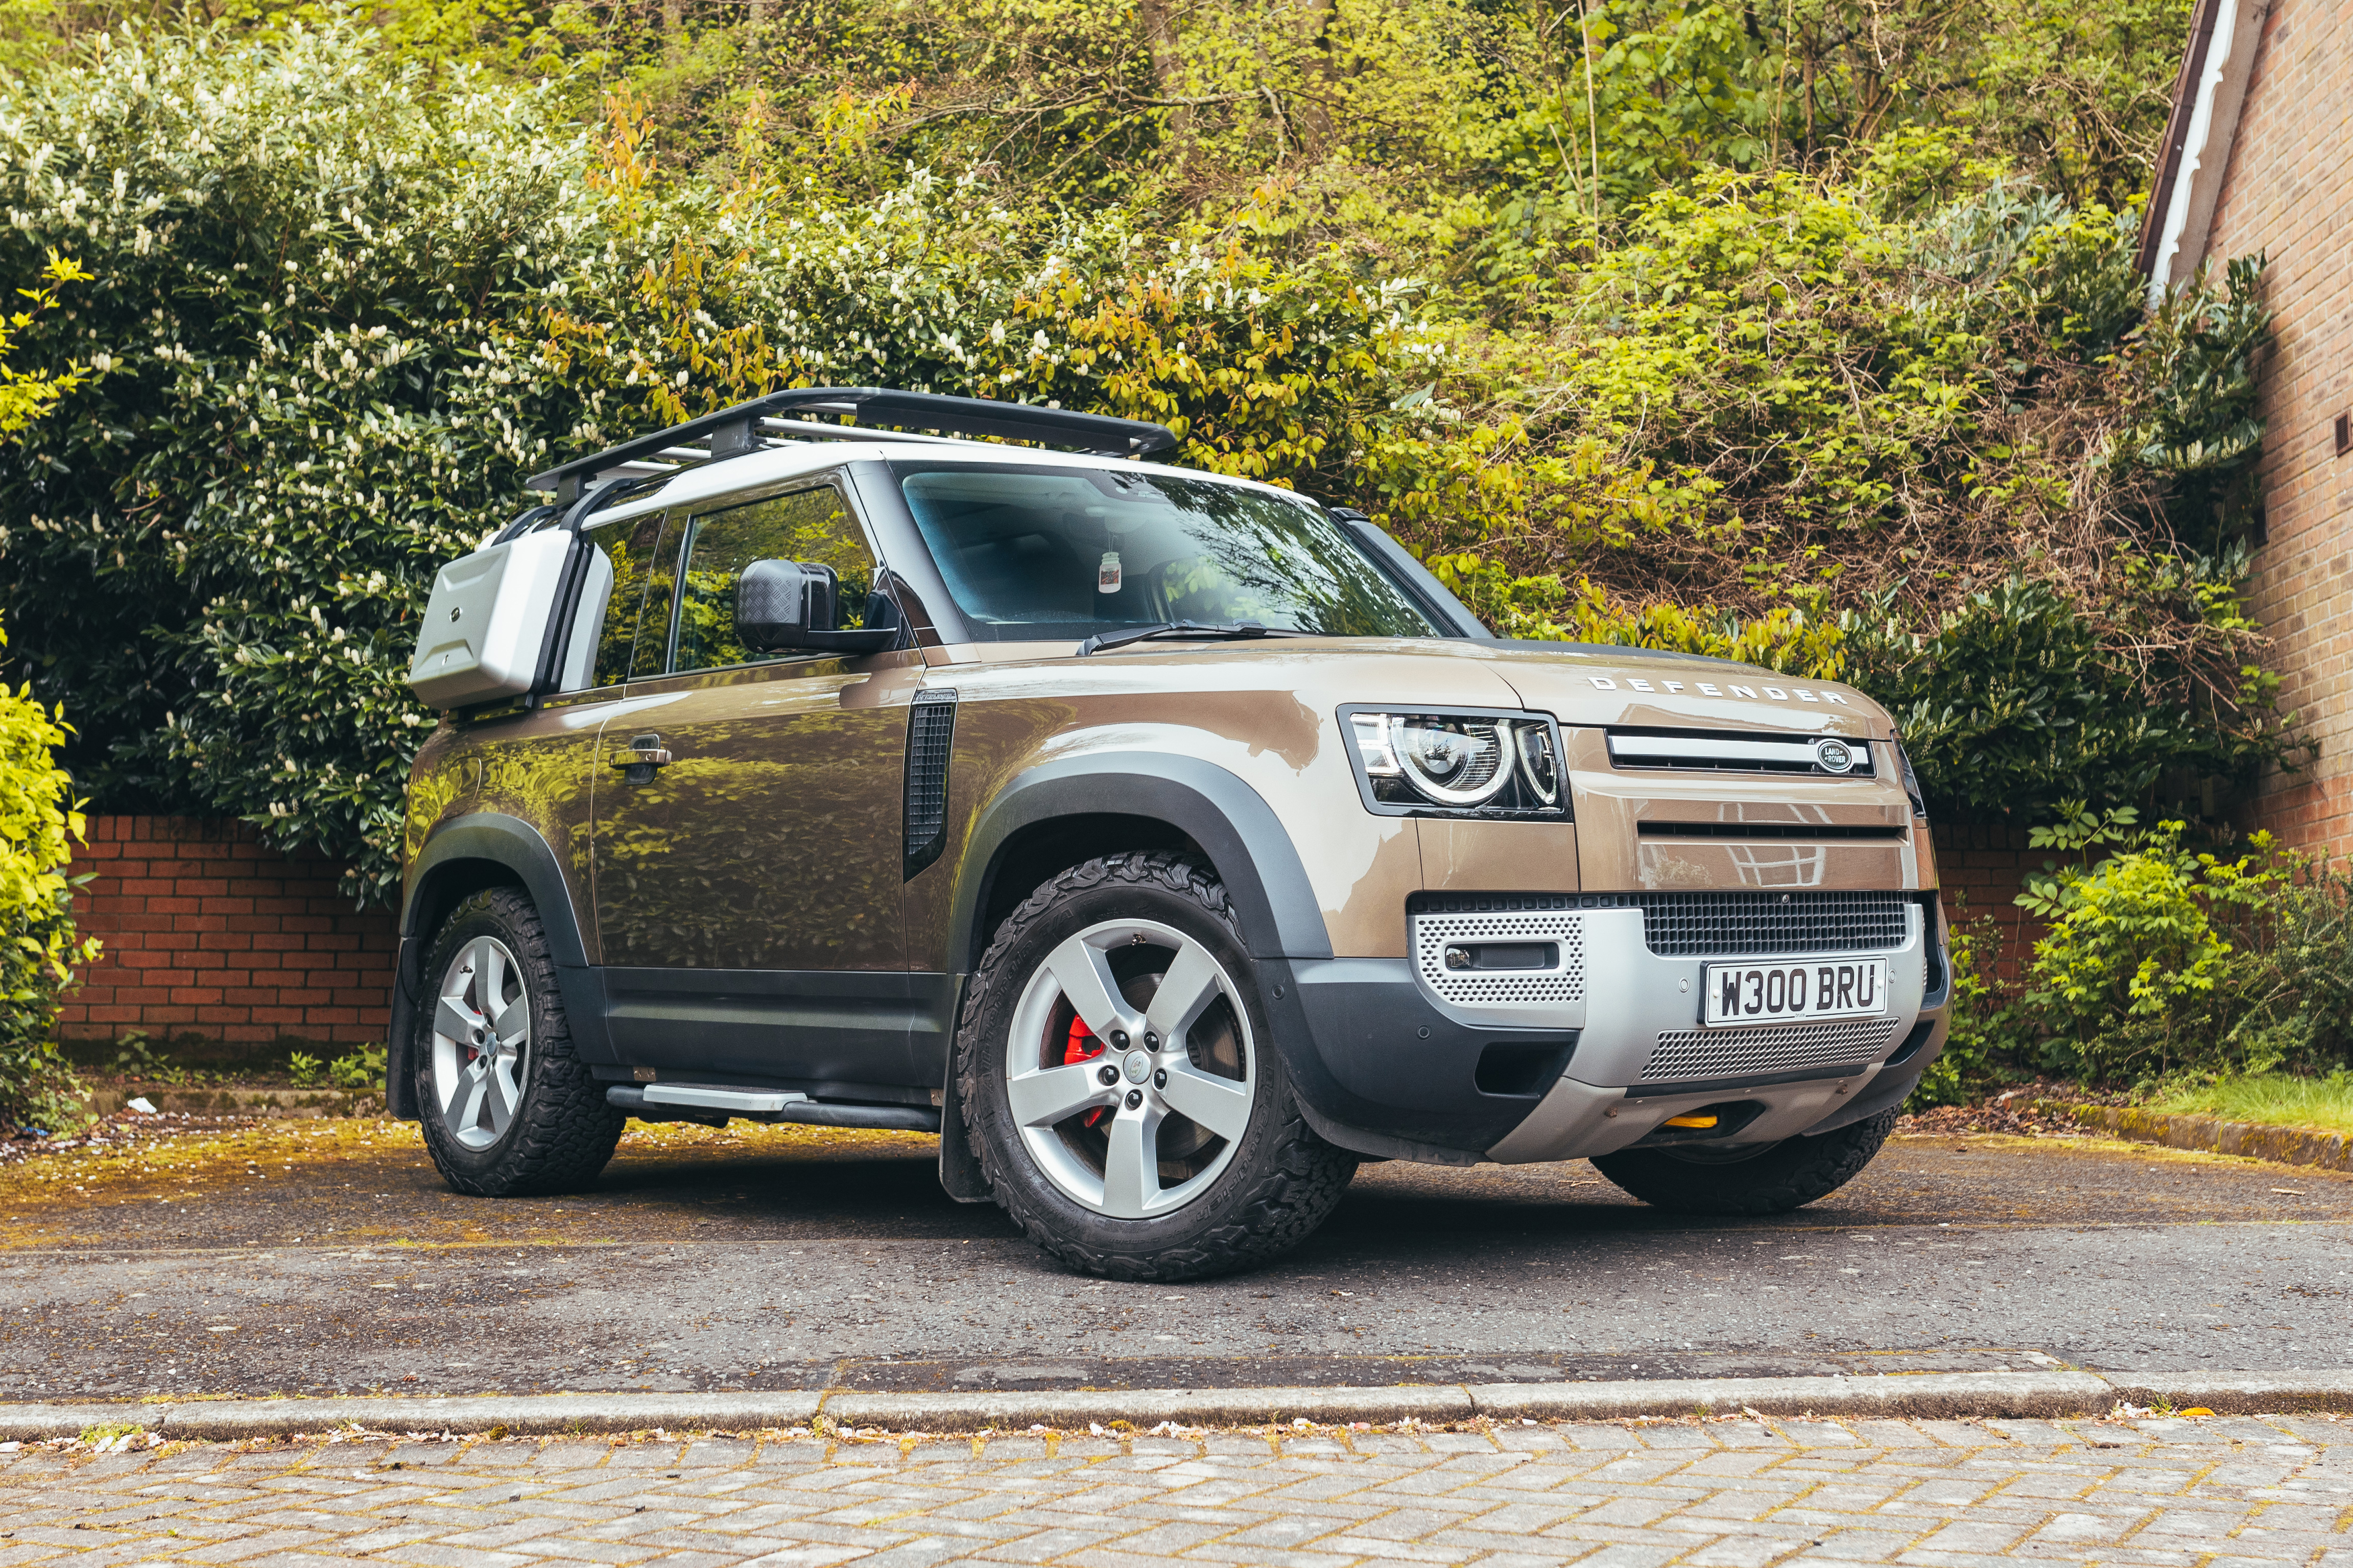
(2161, 961)
(360, 1070)
(1875, 419)
(40, 825)
(1981, 1041)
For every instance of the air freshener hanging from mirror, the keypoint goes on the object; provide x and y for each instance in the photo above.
(1107, 576)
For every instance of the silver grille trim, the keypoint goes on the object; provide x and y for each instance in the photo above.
(1782, 753)
(1502, 988)
(1685, 1056)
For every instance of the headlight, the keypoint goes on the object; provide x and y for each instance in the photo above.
(1457, 761)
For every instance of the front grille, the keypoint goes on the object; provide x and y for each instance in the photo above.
(931, 735)
(1505, 988)
(1737, 752)
(1685, 1056)
(1735, 925)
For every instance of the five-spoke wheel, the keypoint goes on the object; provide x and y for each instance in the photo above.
(481, 1042)
(508, 1108)
(1116, 1077)
(1130, 1069)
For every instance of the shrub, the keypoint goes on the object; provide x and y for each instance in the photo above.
(1945, 457)
(39, 824)
(2161, 961)
(360, 1070)
(1981, 1041)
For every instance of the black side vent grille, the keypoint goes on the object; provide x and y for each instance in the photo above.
(931, 735)
(1698, 925)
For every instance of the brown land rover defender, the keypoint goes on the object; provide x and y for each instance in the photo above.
(1168, 843)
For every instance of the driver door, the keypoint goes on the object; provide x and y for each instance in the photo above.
(747, 885)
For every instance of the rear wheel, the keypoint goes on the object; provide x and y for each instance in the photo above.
(1769, 1180)
(1118, 1080)
(508, 1109)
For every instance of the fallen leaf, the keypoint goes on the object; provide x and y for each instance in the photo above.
(2194, 1410)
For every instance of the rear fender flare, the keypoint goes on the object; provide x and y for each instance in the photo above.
(486, 846)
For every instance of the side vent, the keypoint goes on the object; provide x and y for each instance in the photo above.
(931, 734)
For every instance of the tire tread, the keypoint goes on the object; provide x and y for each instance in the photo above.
(1302, 1183)
(567, 1131)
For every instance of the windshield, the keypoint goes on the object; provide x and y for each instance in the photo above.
(1034, 554)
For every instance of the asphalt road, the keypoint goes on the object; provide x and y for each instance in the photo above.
(327, 1257)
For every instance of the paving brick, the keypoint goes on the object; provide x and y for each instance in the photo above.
(1580, 1497)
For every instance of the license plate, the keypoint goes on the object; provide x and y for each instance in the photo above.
(1794, 989)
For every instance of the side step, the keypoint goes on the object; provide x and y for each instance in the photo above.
(684, 1101)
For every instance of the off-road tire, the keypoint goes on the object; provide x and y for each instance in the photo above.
(1283, 1181)
(564, 1132)
(1778, 1178)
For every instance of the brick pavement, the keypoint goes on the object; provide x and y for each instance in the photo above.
(1718, 1494)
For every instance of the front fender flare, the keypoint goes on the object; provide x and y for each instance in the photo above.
(1232, 822)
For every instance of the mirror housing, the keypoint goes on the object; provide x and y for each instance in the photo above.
(791, 606)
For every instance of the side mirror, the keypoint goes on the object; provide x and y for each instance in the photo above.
(791, 605)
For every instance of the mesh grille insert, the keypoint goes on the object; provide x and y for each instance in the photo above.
(930, 732)
(1710, 925)
(1502, 987)
(1687, 1055)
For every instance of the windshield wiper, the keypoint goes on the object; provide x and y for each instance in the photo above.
(1236, 630)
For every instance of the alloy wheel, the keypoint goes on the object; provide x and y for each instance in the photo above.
(481, 1042)
(1131, 1070)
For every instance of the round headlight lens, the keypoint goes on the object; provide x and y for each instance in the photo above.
(1538, 764)
(1455, 762)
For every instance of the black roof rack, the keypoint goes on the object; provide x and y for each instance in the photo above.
(750, 427)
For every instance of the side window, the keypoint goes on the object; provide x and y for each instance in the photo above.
(651, 654)
(814, 525)
(612, 602)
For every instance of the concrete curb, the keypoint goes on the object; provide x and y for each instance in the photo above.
(1932, 1394)
(1926, 1395)
(1149, 1407)
(2212, 1135)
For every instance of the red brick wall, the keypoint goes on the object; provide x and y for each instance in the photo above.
(2286, 192)
(1988, 866)
(207, 932)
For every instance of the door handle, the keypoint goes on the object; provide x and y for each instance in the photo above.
(638, 762)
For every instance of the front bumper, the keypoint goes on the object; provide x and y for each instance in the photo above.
(1381, 1064)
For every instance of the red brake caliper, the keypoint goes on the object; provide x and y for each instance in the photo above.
(1079, 1047)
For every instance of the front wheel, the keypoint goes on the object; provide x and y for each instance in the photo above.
(1770, 1180)
(1117, 1079)
(507, 1108)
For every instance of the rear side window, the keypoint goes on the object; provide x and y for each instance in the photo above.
(811, 525)
(613, 602)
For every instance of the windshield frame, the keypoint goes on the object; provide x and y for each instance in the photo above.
(888, 509)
